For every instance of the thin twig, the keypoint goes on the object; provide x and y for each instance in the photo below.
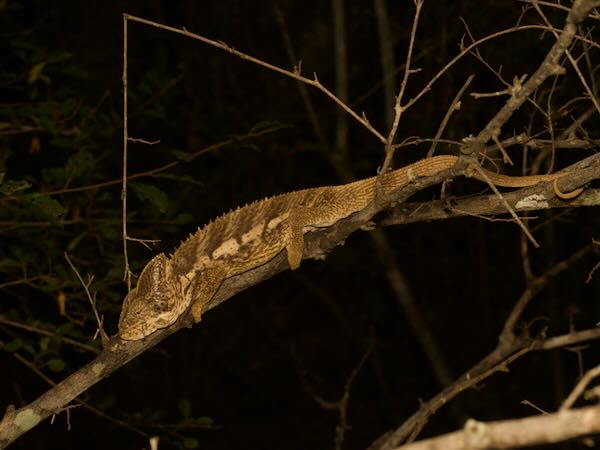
(398, 107)
(164, 167)
(549, 66)
(292, 74)
(579, 388)
(127, 273)
(43, 332)
(510, 347)
(591, 95)
(507, 205)
(86, 287)
(454, 106)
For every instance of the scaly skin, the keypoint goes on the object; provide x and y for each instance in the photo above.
(250, 236)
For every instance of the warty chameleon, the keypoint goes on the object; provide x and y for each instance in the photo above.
(252, 235)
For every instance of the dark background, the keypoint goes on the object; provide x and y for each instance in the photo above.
(249, 374)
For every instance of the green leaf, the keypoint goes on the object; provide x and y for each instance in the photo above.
(267, 127)
(152, 194)
(182, 156)
(183, 178)
(35, 72)
(60, 56)
(12, 186)
(44, 343)
(190, 443)
(73, 243)
(30, 349)
(202, 421)
(79, 163)
(56, 365)
(45, 206)
(13, 345)
(26, 45)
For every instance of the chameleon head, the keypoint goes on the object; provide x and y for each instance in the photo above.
(153, 304)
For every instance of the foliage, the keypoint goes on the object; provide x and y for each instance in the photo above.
(59, 191)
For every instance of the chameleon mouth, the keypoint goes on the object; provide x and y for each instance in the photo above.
(142, 328)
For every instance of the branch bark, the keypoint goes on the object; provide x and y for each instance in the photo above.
(535, 430)
(118, 352)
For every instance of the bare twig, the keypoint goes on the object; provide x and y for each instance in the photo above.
(507, 205)
(517, 433)
(510, 347)
(398, 107)
(454, 106)
(341, 405)
(549, 67)
(591, 94)
(127, 274)
(396, 280)
(157, 170)
(579, 388)
(92, 299)
(536, 285)
(292, 74)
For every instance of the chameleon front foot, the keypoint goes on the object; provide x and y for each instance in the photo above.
(204, 287)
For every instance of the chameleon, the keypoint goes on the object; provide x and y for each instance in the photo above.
(252, 235)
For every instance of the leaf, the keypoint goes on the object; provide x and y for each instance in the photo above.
(152, 194)
(202, 421)
(79, 163)
(183, 178)
(13, 345)
(25, 45)
(44, 343)
(268, 127)
(45, 206)
(190, 443)
(56, 365)
(60, 56)
(35, 72)
(30, 349)
(12, 186)
(182, 156)
(73, 243)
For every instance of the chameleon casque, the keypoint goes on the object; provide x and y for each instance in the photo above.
(252, 235)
